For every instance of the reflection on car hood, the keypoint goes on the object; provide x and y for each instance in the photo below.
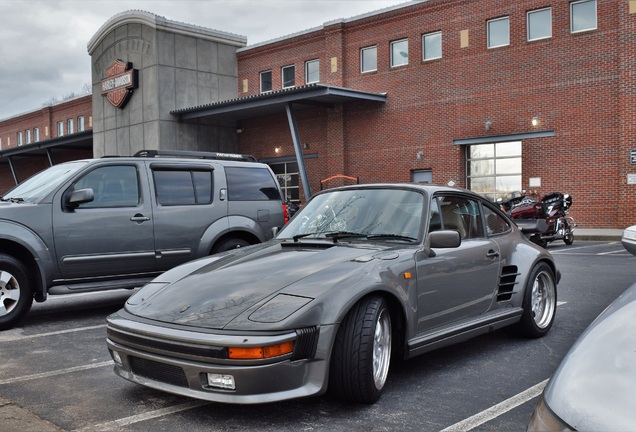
(594, 388)
(218, 291)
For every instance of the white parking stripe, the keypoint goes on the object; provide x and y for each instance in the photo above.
(497, 410)
(57, 372)
(14, 335)
(116, 425)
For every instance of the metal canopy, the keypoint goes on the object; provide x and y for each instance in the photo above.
(309, 96)
(231, 112)
(80, 140)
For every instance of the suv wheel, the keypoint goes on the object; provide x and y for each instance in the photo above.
(229, 244)
(16, 291)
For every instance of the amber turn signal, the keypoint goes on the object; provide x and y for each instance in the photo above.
(261, 352)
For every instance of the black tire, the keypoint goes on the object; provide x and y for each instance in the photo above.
(539, 302)
(16, 291)
(229, 244)
(362, 352)
(569, 238)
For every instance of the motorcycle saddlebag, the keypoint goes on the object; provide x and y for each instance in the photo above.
(530, 210)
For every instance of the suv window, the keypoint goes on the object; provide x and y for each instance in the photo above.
(113, 186)
(251, 184)
(183, 187)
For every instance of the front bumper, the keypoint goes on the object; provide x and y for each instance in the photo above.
(184, 370)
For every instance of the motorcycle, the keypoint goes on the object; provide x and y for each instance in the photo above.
(543, 221)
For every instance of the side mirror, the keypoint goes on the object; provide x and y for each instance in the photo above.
(78, 197)
(444, 239)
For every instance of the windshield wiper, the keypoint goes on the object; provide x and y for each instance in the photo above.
(391, 237)
(15, 200)
(343, 235)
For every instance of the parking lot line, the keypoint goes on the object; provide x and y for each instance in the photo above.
(14, 335)
(497, 410)
(56, 372)
(115, 425)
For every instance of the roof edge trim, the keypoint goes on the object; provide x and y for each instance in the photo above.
(504, 138)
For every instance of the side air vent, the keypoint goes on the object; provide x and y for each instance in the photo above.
(306, 342)
(507, 282)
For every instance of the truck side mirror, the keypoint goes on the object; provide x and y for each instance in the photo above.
(78, 197)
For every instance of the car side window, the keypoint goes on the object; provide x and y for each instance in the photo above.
(113, 186)
(251, 184)
(183, 186)
(495, 223)
(457, 213)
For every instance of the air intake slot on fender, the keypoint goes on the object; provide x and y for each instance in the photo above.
(507, 282)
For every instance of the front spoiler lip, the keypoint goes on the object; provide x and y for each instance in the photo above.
(255, 383)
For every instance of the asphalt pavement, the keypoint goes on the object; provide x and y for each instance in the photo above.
(14, 418)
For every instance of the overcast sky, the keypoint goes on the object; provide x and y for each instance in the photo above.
(43, 55)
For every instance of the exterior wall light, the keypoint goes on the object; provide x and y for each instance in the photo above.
(488, 125)
(535, 121)
(277, 150)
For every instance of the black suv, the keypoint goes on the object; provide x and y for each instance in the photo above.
(117, 222)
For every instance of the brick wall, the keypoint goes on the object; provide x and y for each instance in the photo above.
(579, 85)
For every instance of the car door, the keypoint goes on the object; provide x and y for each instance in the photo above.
(457, 283)
(188, 199)
(112, 234)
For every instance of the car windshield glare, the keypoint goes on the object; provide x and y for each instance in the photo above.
(41, 184)
(380, 214)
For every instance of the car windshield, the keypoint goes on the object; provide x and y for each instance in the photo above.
(374, 213)
(41, 184)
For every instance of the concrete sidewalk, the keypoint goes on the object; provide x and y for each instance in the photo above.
(14, 418)
(609, 234)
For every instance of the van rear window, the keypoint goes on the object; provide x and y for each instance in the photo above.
(251, 184)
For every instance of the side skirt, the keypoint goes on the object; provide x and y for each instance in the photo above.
(461, 331)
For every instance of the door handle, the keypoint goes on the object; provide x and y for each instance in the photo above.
(139, 218)
(492, 254)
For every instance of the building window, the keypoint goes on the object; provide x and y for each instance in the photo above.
(69, 126)
(540, 24)
(583, 15)
(36, 134)
(289, 76)
(499, 32)
(432, 46)
(80, 124)
(266, 81)
(312, 71)
(27, 136)
(400, 52)
(19, 138)
(369, 59)
(60, 128)
(288, 176)
(494, 170)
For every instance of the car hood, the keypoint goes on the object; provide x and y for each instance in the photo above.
(594, 387)
(216, 290)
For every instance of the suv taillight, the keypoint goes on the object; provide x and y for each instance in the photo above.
(285, 213)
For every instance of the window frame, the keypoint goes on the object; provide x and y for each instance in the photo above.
(283, 81)
(36, 134)
(308, 63)
(492, 21)
(69, 126)
(60, 128)
(494, 194)
(577, 2)
(370, 48)
(27, 136)
(81, 125)
(392, 44)
(426, 35)
(528, 15)
(19, 138)
(260, 78)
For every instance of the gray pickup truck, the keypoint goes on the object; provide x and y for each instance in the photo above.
(117, 222)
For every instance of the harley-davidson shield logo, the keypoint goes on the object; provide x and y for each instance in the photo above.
(119, 84)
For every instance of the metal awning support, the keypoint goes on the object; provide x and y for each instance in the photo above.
(14, 173)
(49, 155)
(298, 150)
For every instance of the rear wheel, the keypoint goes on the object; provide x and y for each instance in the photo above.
(362, 352)
(231, 243)
(539, 302)
(16, 291)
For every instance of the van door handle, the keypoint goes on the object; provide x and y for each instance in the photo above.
(139, 218)
(492, 254)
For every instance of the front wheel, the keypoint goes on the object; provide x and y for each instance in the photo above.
(16, 291)
(539, 302)
(229, 244)
(362, 352)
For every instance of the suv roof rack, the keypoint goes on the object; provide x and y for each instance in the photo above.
(195, 155)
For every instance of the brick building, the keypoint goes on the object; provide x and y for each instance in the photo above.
(491, 95)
